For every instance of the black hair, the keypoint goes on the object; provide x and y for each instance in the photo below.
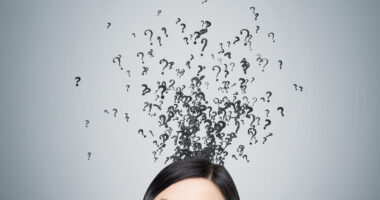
(193, 168)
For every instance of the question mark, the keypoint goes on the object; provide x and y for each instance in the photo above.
(141, 132)
(213, 69)
(159, 12)
(236, 40)
(166, 64)
(118, 57)
(115, 111)
(281, 110)
(127, 87)
(203, 41)
(196, 37)
(178, 20)
(253, 9)
(268, 122)
(89, 154)
(183, 27)
(271, 35)
(77, 80)
(267, 111)
(151, 35)
(246, 37)
(159, 40)
(87, 122)
(146, 89)
(141, 54)
(265, 138)
(269, 93)
(253, 132)
(164, 30)
(186, 39)
(108, 24)
(280, 61)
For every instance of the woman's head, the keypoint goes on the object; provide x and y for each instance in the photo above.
(192, 178)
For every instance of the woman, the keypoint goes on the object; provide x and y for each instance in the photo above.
(192, 179)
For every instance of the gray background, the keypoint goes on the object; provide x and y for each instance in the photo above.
(325, 148)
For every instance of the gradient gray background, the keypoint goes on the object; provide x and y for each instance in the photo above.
(326, 147)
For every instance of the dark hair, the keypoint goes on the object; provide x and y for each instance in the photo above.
(192, 168)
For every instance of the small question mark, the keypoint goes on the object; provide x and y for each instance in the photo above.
(280, 61)
(253, 9)
(271, 35)
(164, 30)
(151, 35)
(159, 40)
(89, 154)
(183, 27)
(237, 39)
(245, 156)
(266, 137)
(178, 20)
(281, 109)
(127, 87)
(213, 69)
(146, 89)
(87, 122)
(77, 80)
(269, 93)
(118, 57)
(203, 41)
(115, 111)
(267, 111)
(141, 132)
(166, 64)
(141, 54)
(268, 122)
